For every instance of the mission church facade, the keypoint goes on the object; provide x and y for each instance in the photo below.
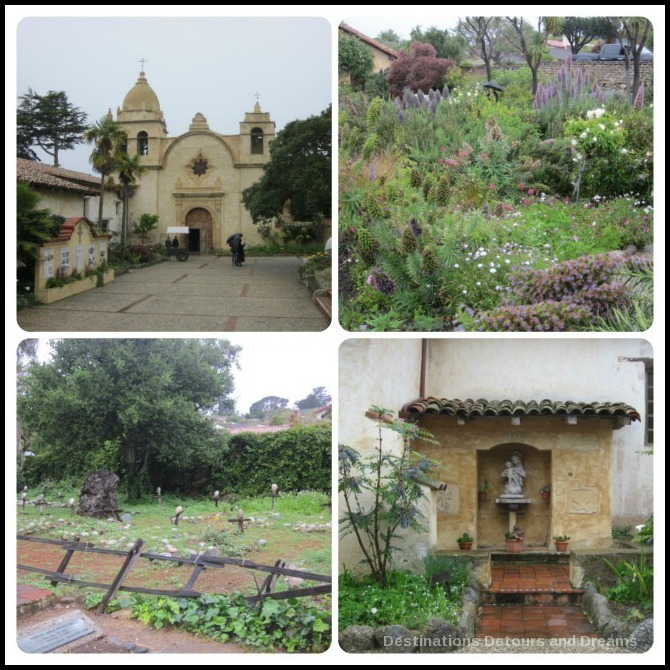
(196, 179)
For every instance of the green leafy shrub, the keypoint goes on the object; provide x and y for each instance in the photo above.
(636, 582)
(365, 602)
(382, 492)
(292, 624)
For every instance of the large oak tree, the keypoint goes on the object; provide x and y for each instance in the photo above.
(132, 405)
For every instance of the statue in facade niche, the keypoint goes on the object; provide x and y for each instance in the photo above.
(515, 473)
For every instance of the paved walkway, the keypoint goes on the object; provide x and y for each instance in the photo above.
(202, 294)
(533, 621)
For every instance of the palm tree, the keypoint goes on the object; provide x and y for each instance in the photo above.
(129, 169)
(107, 138)
(33, 226)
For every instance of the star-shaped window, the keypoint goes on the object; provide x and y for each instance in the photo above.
(200, 166)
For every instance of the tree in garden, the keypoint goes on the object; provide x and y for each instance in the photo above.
(128, 169)
(298, 175)
(420, 69)
(634, 30)
(33, 225)
(446, 45)
(391, 39)
(319, 397)
(483, 33)
(354, 58)
(131, 405)
(270, 403)
(145, 225)
(382, 492)
(107, 138)
(48, 121)
(580, 30)
(530, 44)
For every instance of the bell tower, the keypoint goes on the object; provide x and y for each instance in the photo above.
(141, 117)
(256, 132)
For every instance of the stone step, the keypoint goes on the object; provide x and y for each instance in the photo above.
(530, 558)
(531, 584)
(519, 597)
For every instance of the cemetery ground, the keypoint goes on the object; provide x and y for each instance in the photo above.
(298, 533)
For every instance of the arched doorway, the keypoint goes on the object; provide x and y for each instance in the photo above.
(199, 221)
(492, 518)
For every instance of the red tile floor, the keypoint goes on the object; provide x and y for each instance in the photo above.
(533, 621)
(539, 583)
(531, 578)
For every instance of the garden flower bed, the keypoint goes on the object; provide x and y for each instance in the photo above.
(460, 213)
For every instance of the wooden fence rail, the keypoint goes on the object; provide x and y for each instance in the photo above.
(199, 562)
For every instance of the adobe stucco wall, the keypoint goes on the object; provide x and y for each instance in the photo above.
(172, 191)
(576, 369)
(387, 372)
(573, 459)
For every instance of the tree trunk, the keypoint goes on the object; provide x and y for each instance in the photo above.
(636, 78)
(123, 220)
(102, 195)
(132, 484)
(533, 71)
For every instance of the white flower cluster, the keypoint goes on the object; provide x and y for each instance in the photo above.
(595, 113)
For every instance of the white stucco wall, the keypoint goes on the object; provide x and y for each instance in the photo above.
(73, 204)
(383, 372)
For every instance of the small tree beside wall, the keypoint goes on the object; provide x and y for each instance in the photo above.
(382, 492)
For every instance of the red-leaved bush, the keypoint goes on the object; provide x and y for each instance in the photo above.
(420, 69)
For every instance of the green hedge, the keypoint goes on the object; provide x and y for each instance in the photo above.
(295, 459)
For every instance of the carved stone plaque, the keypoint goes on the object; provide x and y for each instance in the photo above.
(583, 500)
(55, 636)
(448, 501)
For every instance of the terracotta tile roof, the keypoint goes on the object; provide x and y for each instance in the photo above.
(482, 407)
(48, 176)
(368, 40)
(234, 430)
(69, 225)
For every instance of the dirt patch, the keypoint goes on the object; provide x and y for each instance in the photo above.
(125, 636)
(159, 574)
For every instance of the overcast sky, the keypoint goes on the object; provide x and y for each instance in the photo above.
(285, 365)
(288, 367)
(214, 66)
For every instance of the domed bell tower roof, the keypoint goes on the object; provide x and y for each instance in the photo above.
(141, 97)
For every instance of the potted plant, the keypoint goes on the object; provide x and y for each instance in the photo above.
(465, 542)
(514, 540)
(545, 492)
(561, 542)
(484, 491)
